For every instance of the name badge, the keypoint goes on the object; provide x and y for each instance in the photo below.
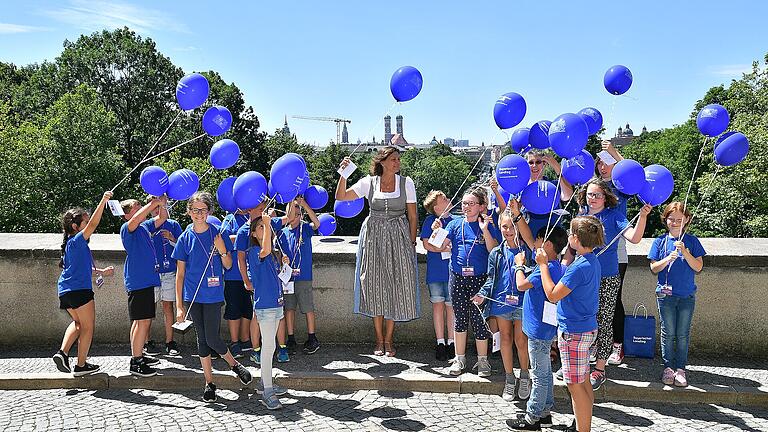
(296, 272)
(99, 281)
(288, 288)
(213, 281)
(467, 271)
(166, 264)
(157, 268)
(664, 289)
(512, 300)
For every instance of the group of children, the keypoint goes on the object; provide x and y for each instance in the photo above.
(254, 264)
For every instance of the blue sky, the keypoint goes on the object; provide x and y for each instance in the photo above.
(336, 58)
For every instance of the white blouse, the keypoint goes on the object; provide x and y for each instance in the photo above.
(363, 187)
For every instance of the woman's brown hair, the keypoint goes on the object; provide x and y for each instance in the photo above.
(70, 217)
(611, 200)
(673, 207)
(589, 231)
(376, 168)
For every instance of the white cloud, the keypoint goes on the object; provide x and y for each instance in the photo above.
(733, 70)
(94, 15)
(6, 28)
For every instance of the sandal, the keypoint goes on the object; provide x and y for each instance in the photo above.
(379, 350)
(389, 349)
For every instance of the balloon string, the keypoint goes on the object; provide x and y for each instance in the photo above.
(611, 114)
(560, 216)
(148, 152)
(370, 132)
(619, 234)
(469, 174)
(172, 148)
(693, 176)
(557, 198)
(705, 196)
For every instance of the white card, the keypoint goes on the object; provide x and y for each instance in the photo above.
(285, 273)
(496, 342)
(606, 158)
(288, 288)
(183, 326)
(445, 255)
(346, 172)
(114, 207)
(438, 237)
(560, 212)
(550, 313)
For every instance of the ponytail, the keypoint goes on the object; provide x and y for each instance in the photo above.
(71, 216)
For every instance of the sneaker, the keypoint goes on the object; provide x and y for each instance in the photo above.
(86, 369)
(593, 358)
(246, 346)
(235, 350)
(522, 424)
(559, 374)
(451, 351)
(545, 421)
(524, 389)
(151, 361)
(62, 362)
(269, 399)
(441, 352)
(150, 348)
(457, 366)
(291, 345)
(668, 377)
(483, 367)
(282, 355)
(242, 373)
(209, 393)
(172, 349)
(311, 346)
(617, 355)
(572, 427)
(256, 356)
(141, 369)
(509, 391)
(597, 378)
(680, 379)
(275, 388)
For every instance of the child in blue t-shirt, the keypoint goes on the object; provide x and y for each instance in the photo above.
(202, 254)
(296, 243)
(75, 287)
(264, 266)
(238, 309)
(676, 260)
(539, 329)
(438, 258)
(505, 300)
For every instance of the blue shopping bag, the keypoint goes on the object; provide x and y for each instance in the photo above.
(640, 334)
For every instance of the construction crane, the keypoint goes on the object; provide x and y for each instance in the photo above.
(338, 122)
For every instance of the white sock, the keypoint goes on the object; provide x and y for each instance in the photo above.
(441, 341)
(450, 341)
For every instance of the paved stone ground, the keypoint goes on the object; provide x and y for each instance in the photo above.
(146, 410)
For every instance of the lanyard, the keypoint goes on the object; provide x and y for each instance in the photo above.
(151, 243)
(669, 267)
(463, 240)
(509, 267)
(205, 248)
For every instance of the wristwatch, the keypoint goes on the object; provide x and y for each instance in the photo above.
(517, 218)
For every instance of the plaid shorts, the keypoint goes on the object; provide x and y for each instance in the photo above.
(574, 353)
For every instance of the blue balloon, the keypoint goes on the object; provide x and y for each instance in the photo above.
(213, 220)
(282, 197)
(519, 141)
(249, 190)
(509, 110)
(659, 185)
(327, 224)
(316, 197)
(628, 176)
(304, 184)
(513, 173)
(217, 120)
(287, 173)
(568, 135)
(225, 194)
(617, 79)
(154, 180)
(712, 120)
(406, 83)
(731, 148)
(348, 209)
(593, 119)
(540, 197)
(224, 154)
(182, 184)
(579, 169)
(192, 91)
(504, 194)
(539, 135)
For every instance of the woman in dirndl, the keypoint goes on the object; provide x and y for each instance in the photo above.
(386, 278)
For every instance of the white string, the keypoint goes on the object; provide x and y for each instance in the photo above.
(629, 225)
(370, 132)
(693, 176)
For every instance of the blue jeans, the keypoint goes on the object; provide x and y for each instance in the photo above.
(676, 314)
(542, 393)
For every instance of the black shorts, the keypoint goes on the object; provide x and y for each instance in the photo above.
(75, 299)
(141, 304)
(238, 301)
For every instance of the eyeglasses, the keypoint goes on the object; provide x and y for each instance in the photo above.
(468, 203)
(199, 210)
(675, 221)
(595, 195)
(535, 162)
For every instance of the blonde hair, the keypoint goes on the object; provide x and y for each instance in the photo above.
(128, 204)
(430, 200)
(589, 231)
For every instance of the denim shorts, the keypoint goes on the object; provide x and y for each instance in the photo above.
(267, 315)
(515, 315)
(439, 292)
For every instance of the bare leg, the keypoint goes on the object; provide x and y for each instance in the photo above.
(87, 314)
(507, 357)
(521, 342)
(310, 322)
(168, 314)
(438, 320)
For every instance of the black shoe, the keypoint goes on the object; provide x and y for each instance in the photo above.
(86, 369)
(242, 373)
(172, 349)
(209, 394)
(151, 361)
(140, 368)
(441, 352)
(522, 424)
(62, 362)
(311, 346)
(150, 348)
(291, 345)
(572, 427)
(215, 355)
(451, 351)
(545, 422)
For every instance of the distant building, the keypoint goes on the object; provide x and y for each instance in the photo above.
(462, 143)
(387, 129)
(450, 142)
(285, 129)
(625, 136)
(344, 135)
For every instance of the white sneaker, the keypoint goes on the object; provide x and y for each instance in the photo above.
(617, 355)
(524, 389)
(509, 391)
(457, 366)
(483, 367)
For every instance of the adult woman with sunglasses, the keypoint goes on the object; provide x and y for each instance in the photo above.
(538, 161)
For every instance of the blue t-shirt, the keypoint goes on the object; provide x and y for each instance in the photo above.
(437, 267)
(533, 305)
(297, 245)
(195, 249)
(267, 288)
(229, 227)
(163, 247)
(613, 223)
(468, 245)
(622, 205)
(506, 284)
(78, 266)
(681, 275)
(243, 237)
(577, 312)
(141, 265)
